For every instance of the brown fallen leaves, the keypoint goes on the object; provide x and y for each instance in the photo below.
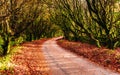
(103, 56)
(30, 60)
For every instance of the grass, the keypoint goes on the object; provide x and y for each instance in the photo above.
(5, 61)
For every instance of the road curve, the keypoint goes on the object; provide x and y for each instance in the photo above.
(62, 62)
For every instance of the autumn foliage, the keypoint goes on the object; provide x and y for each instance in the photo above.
(103, 56)
(29, 60)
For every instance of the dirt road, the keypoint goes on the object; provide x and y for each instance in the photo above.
(62, 62)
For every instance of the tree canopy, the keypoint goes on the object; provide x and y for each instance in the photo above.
(91, 21)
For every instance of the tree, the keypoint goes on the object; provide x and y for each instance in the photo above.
(94, 20)
(106, 15)
(14, 21)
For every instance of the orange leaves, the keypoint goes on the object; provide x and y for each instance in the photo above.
(103, 56)
(29, 60)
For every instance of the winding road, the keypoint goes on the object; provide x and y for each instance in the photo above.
(62, 62)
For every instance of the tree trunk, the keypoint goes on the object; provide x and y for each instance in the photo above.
(5, 46)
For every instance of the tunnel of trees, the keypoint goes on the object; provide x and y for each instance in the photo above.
(92, 21)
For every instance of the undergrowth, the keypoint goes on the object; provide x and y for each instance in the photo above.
(5, 61)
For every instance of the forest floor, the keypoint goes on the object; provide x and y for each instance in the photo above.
(64, 62)
(29, 60)
(102, 56)
(43, 57)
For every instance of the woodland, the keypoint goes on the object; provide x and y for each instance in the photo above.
(92, 21)
(96, 22)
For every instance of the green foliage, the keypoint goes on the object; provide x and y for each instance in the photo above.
(1, 41)
(93, 21)
(5, 62)
(97, 20)
(27, 20)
